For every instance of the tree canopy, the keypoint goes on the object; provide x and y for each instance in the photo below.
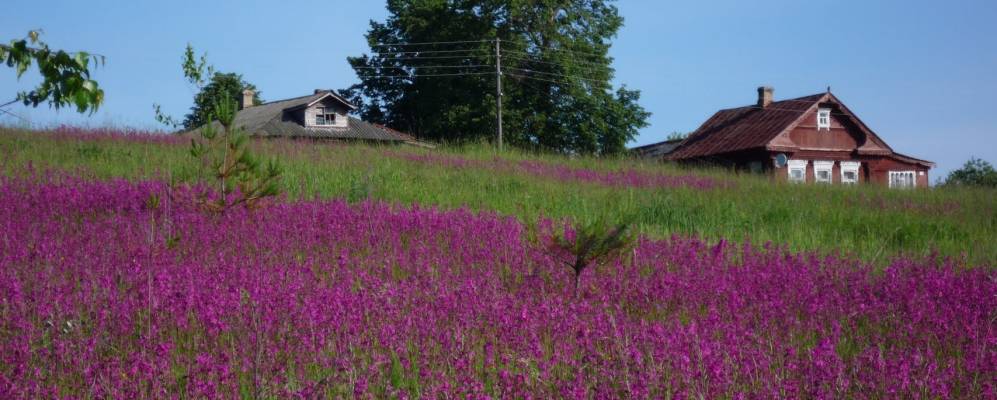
(213, 89)
(65, 75)
(975, 172)
(556, 74)
(221, 87)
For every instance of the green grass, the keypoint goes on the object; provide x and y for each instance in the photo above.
(870, 222)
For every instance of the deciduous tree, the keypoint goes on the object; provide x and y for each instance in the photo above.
(65, 75)
(976, 172)
(556, 84)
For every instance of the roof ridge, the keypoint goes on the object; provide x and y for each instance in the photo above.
(288, 99)
(801, 98)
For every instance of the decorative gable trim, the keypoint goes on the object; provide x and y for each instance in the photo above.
(870, 135)
(781, 141)
(319, 98)
(339, 99)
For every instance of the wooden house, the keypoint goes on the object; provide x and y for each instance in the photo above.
(808, 139)
(321, 115)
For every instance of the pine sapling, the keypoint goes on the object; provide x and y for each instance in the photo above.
(236, 170)
(593, 244)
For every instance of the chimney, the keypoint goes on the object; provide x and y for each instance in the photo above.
(765, 96)
(317, 91)
(247, 99)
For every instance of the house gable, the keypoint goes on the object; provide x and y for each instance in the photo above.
(333, 113)
(845, 132)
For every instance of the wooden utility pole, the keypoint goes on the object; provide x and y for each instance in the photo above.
(498, 88)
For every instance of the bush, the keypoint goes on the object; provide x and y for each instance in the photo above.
(976, 172)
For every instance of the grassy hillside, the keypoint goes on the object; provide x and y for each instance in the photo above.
(870, 222)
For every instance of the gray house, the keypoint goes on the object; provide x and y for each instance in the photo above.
(321, 115)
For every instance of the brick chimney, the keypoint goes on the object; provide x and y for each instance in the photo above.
(247, 99)
(765, 96)
(317, 91)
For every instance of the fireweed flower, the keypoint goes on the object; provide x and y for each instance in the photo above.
(328, 299)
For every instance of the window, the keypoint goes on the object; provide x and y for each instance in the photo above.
(822, 171)
(824, 118)
(850, 172)
(797, 171)
(902, 179)
(325, 116)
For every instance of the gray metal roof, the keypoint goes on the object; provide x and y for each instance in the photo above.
(657, 150)
(271, 120)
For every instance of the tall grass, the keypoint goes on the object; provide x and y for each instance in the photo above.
(870, 222)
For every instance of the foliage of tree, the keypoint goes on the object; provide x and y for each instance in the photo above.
(976, 172)
(213, 87)
(677, 135)
(241, 177)
(65, 75)
(556, 84)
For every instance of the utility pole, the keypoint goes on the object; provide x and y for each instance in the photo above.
(498, 88)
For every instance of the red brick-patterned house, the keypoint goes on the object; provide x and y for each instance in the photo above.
(808, 139)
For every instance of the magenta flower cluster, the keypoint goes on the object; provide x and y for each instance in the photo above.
(105, 292)
(618, 178)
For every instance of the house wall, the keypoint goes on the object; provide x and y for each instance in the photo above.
(342, 118)
(782, 174)
(839, 137)
(879, 170)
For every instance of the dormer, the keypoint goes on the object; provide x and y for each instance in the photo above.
(325, 111)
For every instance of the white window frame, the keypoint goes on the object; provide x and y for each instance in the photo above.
(325, 116)
(823, 119)
(823, 166)
(853, 167)
(797, 165)
(911, 174)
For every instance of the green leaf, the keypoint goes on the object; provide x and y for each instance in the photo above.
(82, 59)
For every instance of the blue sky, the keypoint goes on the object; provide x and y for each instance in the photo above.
(920, 73)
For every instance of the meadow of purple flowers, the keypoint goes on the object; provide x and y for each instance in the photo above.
(104, 293)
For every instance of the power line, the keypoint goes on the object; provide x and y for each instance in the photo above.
(430, 43)
(576, 52)
(425, 51)
(554, 74)
(521, 58)
(522, 53)
(430, 57)
(559, 82)
(13, 115)
(430, 75)
(430, 66)
(589, 70)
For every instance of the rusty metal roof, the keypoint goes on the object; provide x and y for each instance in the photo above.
(743, 128)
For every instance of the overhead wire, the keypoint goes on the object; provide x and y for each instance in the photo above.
(429, 57)
(553, 74)
(429, 66)
(403, 44)
(430, 75)
(13, 115)
(526, 65)
(588, 70)
(426, 51)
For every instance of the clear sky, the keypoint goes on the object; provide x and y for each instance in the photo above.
(922, 74)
